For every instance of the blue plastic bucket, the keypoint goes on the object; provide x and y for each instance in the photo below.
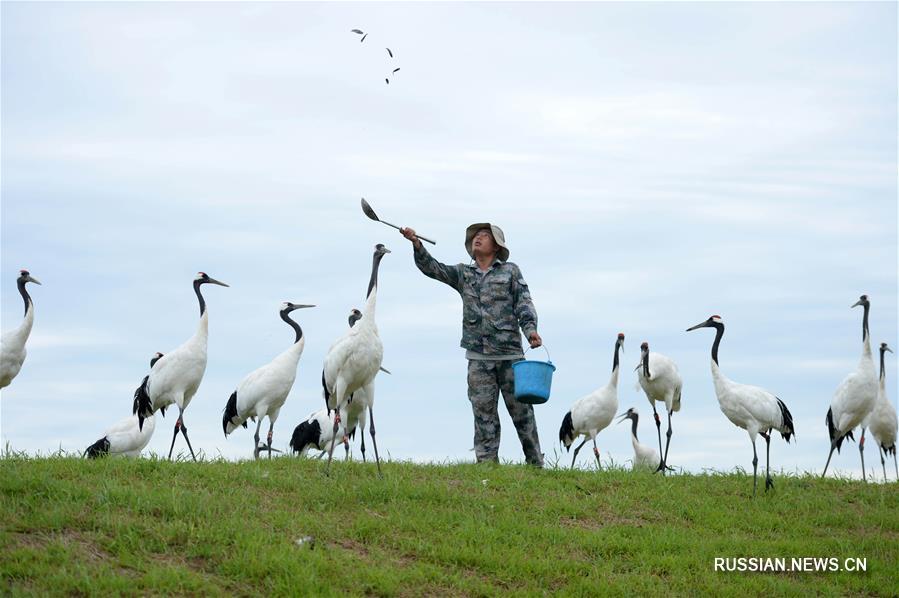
(533, 380)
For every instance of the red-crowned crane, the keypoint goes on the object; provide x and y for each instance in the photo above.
(354, 359)
(749, 407)
(882, 420)
(359, 404)
(660, 380)
(129, 436)
(177, 375)
(644, 456)
(593, 413)
(855, 396)
(12, 343)
(316, 432)
(263, 392)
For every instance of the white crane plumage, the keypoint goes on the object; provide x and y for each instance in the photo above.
(749, 407)
(263, 392)
(176, 377)
(12, 343)
(855, 396)
(661, 382)
(317, 432)
(882, 420)
(644, 456)
(593, 413)
(354, 359)
(128, 437)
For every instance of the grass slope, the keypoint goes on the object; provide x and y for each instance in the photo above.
(111, 526)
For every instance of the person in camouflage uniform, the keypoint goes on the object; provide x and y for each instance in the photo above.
(495, 303)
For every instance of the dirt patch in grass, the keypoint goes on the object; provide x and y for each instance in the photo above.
(69, 538)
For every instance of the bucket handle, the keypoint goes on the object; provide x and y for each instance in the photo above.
(548, 358)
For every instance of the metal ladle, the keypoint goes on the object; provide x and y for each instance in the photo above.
(371, 214)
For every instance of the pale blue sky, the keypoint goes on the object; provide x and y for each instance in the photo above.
(651, 164)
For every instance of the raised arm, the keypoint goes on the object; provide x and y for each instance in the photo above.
(449, 275)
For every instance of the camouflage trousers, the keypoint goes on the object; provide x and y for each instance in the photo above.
(485, 381)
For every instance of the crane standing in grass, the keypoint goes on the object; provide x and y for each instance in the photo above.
(660, 380)
(749, 407)
(354, 359)
(593, 413)
(644, 456)
(129, 436)
(12, 343)
(855, 396)
(177, 375)
(263, 392)
(882, 419)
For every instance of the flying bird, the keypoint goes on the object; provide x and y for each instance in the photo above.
(359, 31)
(389, 52)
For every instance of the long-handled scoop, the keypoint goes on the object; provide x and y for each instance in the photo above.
(371, 214)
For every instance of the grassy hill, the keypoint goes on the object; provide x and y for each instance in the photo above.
(71, 526)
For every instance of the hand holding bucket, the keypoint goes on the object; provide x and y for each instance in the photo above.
(533, 379)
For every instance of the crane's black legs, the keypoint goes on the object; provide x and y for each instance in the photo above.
(861, 453)
(769, 483)
(333, 436)
(576, 451)
(371, 430)
(362, 440)
(663, 464)
(755, 467)
(833, 446)
(180, 427)
(882, 462)
(659, 434)
(256, 439)
(596, 454)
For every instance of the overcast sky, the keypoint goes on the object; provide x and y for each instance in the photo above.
(651, 164)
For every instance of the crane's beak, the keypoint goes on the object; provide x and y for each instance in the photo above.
(30, 278)
(700, 325)
(218, 282)
(887, 349)
(623, 417)
(300, 306)
(637, 367)
(385, 370)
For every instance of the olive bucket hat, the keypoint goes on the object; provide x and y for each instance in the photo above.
(498, 237)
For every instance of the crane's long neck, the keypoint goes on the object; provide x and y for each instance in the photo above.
(296, 327)
(718, 335)
(201, 336)
(202, 301)
(372, 296)
(646, 365)
(614, 379)
(865, 332)
(25, 296)
(882, 354)
(634, 429)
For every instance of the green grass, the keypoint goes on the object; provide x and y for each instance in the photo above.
(113, 526)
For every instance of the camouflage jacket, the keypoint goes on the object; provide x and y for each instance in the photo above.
(494, 304)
